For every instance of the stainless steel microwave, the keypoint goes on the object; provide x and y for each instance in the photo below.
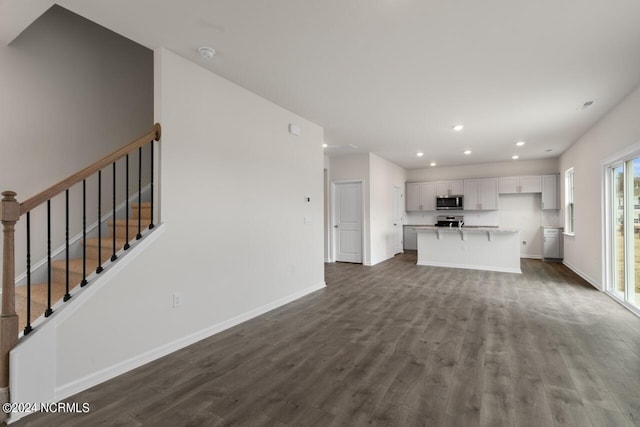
(449, 202)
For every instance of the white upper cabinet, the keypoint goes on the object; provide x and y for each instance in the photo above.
(508, 185)
(481, 194)
(428, 196)
(550, 193)
(531, 184)
(520, 184)
(449, 188)
(456, 187)
(413, 196)
(421, 196)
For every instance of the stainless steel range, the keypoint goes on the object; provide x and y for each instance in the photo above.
(450, 220)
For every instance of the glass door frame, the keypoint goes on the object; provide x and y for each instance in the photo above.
(609, 217)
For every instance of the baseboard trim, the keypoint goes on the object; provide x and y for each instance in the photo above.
(471, 267)
(530, 256)
(585, 276)
(106, 374)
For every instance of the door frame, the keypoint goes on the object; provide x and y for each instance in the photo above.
(334, 240)
(401, 210)
(607, 220)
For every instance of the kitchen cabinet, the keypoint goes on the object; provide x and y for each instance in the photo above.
(552, 242)
(410, 238)
(421, 196)
(550, 193)
(449, 188)
(520, 184)
(481, 194)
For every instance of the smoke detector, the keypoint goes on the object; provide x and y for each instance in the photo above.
(206, 52)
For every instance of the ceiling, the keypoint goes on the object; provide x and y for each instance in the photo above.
(394, 76)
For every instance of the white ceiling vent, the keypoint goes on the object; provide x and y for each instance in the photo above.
(586, 105)
(341, 148)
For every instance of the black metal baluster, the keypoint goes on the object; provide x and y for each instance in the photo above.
(99, 268)
(151, 225)
(139, 235)
(48, 311)
(113, 255)
(84, 233)
(67, 296)
(28, 328)
(126, 225)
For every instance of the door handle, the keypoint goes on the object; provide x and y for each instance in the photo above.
(395, 224)
(335, 226)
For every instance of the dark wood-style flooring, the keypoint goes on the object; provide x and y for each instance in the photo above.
(399, 345)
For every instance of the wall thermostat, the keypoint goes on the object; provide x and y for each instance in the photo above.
(294, 130)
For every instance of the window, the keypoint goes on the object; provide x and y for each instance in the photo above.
(569, 211)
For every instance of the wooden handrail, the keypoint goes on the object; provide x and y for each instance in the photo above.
(58, 188)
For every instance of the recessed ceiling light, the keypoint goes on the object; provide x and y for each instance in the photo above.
(206, 52)
(432, 164)
(515, 157)
(325, 145)
(520, 143)
(467, 152)
(419, 154)
(458, 128)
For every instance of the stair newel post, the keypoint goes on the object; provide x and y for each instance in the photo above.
(113, 255)
(9, 318)
(151, 225)
(126, 209)
(139, 235)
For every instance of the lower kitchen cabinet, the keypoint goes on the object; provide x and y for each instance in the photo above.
(552, 243)
(410, 238)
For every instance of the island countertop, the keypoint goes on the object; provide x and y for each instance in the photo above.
(479, 248)
(466, 229)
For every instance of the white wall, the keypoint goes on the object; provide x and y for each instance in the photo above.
(233, 242)
(72, 92)
(619, 129)
(384, 175)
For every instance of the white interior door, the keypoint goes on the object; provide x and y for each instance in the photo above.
(397, 220)
(348, 222)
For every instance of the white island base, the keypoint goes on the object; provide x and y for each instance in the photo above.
(492, 249)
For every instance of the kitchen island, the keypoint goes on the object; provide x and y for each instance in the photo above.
(477, 248)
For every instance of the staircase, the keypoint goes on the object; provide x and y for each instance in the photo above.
(59, 267)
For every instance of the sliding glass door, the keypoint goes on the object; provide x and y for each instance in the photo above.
(624, 231)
